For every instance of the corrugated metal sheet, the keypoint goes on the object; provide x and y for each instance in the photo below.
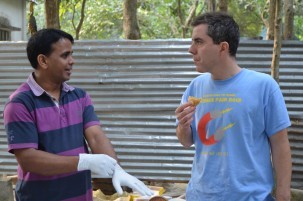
(137, 85)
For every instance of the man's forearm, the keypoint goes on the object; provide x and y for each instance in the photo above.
(44, 163)
(185, 136)
(281, 156)
(283, 167)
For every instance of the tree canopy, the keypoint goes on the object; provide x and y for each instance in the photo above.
(158, 19)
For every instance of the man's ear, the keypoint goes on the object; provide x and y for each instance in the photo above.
(42, 61)
(224, 46)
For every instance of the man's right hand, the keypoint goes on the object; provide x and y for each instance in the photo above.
(101, 165)
(184, 113)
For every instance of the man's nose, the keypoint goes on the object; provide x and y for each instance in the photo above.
(72, 60)
(191, 49)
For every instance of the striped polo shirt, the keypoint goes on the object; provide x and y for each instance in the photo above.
(33, 120)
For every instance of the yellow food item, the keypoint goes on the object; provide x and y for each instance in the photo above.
(134, 196)
(195, 101)
(158, 190)
(99, 196)
(157, 198)
(123, 199)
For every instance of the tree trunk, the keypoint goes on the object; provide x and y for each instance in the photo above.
(223, 5)
(211, 5)
(277, 41)
(32, 25)
(189, 18)
(52, 13)
(288, 33)
(78, 28)
(179, 9)
(130, 23)
(271, 20)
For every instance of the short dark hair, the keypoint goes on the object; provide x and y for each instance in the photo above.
(41, 43)
(221, 27)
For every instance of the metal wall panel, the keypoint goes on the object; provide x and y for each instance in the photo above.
(137, 85)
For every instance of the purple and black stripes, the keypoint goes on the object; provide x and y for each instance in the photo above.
(32, 120)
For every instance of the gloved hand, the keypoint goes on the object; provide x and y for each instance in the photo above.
(122, 178)
(101, 165)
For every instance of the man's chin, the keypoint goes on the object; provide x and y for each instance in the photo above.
(200, 69)
(65, 79)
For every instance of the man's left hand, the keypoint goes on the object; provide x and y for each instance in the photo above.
(122, 178)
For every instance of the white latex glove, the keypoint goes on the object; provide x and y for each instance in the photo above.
(122, 178)
(101, 165)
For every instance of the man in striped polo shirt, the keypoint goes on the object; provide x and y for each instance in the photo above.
(48, 124)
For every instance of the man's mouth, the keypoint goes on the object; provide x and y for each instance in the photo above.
(196, 59)
(69, 71)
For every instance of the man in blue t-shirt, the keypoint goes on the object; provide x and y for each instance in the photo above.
(48, 124)
(239, 125)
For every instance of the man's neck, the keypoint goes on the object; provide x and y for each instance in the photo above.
(50, 87)
(225, 70)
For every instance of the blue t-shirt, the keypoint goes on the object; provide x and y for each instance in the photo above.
(33, 120)
(231, 131)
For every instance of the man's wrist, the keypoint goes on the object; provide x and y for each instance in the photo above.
(184, 130)
(283, 194)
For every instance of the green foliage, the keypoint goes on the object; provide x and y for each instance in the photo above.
(298, 7)
(157, 19)
(160, 20)
(248, 15)
(298, 21)
(103, 18)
